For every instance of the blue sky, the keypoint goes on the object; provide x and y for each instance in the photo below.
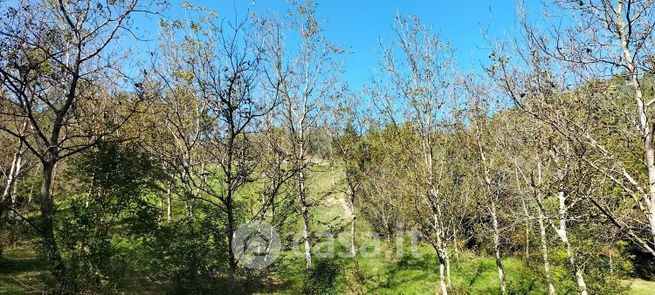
(357, 25)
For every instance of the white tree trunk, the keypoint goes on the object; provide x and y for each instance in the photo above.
(305, 218)
(442, 277)
(544, 252)
(642, 109)
(563, 235)
(442, 253)
(14, 171)
(496, 236)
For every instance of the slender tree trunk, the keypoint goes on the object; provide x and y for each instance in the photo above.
(563, 235)
(642, 109)
(496, 236)
(229, 199)
(304, 211)
(47, 230)
(7, 195)
(494, 215)
(442, 269)
(544, 252)
(230, 236)
(189, 209)
(442, 255)
(650, 160)
(649, 148)
(442, 277)
(5, 199)
(14, 196)
(14, 170)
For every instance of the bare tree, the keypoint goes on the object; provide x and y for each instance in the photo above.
(222, 69)
(180, 111)
(492, 183)
(562, 68)
(304, 82)
(421, 87)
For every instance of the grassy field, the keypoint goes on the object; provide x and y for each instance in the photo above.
(641, 287)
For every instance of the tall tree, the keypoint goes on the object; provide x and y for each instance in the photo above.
(557, 78)
(417, 83)
(304, 78)
(220, 72)
(491, 176)
(54, 57)
(351, 150)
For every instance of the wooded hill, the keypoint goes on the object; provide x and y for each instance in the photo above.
(135, 172)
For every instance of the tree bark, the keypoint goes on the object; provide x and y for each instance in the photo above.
(47, 229)
(544, 252)
(496, 236)
(304, 211)
(563, 235)
(14, 170)
(230, 237)
(442, 255)
(642, 109)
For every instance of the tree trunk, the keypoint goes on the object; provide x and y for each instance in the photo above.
(47, 230)
(642, 109)
(305, 218)
(14, 170)
(442, 270)
(8, 199)
(442, 255)
(563, 235)
(230, 237)
(544, 252)
(496, 236)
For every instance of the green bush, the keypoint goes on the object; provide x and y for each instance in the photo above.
(323, 277)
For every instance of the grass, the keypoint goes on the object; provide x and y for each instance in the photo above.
(641, 287)
(419, 275)
(22, 271)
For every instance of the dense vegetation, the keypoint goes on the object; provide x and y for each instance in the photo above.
(233, 158)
